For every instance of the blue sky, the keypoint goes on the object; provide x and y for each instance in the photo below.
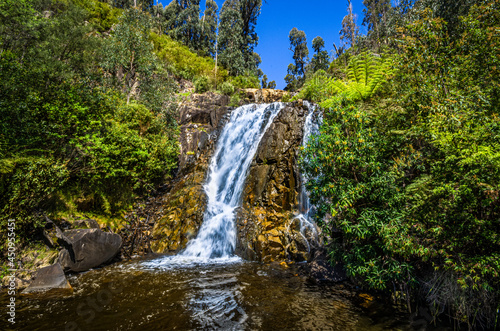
(278, 17)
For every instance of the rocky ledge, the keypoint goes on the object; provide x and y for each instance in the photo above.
(267, 226)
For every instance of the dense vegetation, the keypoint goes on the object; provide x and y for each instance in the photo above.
(406, 169)
(87, 120)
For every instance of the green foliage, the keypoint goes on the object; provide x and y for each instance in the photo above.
(182, 62)
(27, 188)
(366, 74)
(376, 19)
(315, 88)
(350, 31)
(85, 121)
(264, 81)
(209, 28)
(127, 56)
(320, 60)
(250, 11)
(243, 82)
(227, 88)
(406, 170)
(201, 84)
(102, 16)
(235, 100)
(298, 45)
(187, 26)
(286, 97)
(355, 184)
(231, 41)
(453, 106)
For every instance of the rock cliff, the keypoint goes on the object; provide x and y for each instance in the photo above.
(267, 228)
(266, 224)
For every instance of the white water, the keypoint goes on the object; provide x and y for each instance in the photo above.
(235, 151)
(308, 228)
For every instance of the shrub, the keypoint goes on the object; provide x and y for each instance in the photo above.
(243, 82)
(227, 88)
(286, 97)
(235, 100)
(26, 186)
(201, 84)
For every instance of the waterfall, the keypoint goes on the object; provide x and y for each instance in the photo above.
(235, 151)
(308, 228)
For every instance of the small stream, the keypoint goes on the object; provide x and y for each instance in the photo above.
(231, 295)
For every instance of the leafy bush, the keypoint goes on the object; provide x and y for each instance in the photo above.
(227, 88)
(102, 16)
(235, 100)
(286, 97)
(315, 89)
(78, 128)
(365, 75)
(27, 185)
(201, 84)
(243, 82)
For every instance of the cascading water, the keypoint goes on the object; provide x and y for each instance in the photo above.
(308, 228)
(215, 302)
(235, 150)
(228, 170)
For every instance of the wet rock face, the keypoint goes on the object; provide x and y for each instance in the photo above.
(201, 117)
(267, 230)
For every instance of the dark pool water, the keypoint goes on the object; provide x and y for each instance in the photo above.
(234, 295)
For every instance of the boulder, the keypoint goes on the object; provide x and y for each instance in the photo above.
(88, 248)
(49, 278)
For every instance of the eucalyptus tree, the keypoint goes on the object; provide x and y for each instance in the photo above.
(320, 60)
(127, 56)
(296, 71)
(142, 4)
(209, 25)
(170, 13)
(188, 26)
(350, 30)
(250, 11)
(376, 14)
(231, 42)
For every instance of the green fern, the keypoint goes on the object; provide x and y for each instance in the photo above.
(365, 75)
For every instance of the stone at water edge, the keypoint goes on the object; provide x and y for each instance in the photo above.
(49, 278)
(88, 248)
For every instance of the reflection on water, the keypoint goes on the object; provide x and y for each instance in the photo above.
(183, 295)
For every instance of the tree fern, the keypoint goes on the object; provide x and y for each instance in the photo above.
(365, 75)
